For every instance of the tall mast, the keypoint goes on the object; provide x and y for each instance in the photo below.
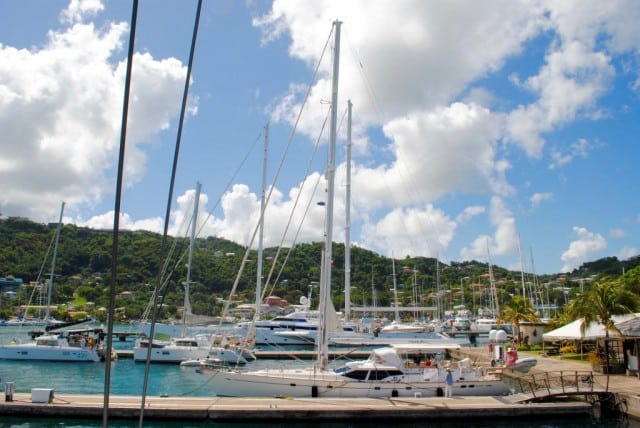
(438, 296)
(524, 292)
(347, 227)
(261, 224)
(395, 291)
(325, 276)
(53, 264)
(192, 239)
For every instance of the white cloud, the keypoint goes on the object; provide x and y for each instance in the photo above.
(469, 212)
(79, 9)
(436, 152)
(61, 116)
(417, 232)
(568, 85)
(580, 149)
(627, 252)
(504, 240)
(582, 249)
(537, 198)
(617, 233)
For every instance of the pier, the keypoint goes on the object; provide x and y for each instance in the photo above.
(220, 409)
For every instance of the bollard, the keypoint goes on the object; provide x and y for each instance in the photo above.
(9, 389)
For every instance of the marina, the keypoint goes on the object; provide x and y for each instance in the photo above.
(71, 391)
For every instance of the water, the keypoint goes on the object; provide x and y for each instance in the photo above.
(175, 381)
(566, 423)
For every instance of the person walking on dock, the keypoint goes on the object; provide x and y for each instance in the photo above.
(448, 380)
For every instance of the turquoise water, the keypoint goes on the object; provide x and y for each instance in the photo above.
(175, 381)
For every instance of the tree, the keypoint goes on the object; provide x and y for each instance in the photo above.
(518, 310)
(605, 299)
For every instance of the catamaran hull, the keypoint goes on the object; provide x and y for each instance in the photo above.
(27, 352)
(328, 384)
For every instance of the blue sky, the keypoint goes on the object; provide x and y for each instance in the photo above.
(495, 128)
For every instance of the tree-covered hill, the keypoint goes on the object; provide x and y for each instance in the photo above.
(83, 271)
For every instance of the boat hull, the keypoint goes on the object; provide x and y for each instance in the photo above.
(310, 383)
(31, 352)
(170, 355)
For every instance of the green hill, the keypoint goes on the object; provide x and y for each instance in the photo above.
(83, 272)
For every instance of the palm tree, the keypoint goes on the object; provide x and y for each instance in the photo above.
(605, 299)
(518, 310)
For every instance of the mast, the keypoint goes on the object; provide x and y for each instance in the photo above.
(261, 225)
(395, 291)
(192, 239)
(438, 296)
(53, 264)
(325, 276)
(494, 306)
(524, 292)
(347, 227)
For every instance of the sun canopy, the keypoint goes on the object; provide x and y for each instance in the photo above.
(595, 330)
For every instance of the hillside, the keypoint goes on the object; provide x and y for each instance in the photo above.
(83, 271)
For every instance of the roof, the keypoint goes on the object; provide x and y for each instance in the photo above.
(630, 327)
(595, 330)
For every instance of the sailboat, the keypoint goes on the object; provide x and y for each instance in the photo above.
(201, 347)
(386, 373)
(61, 346)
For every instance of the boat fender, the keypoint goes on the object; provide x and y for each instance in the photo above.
(493, 363)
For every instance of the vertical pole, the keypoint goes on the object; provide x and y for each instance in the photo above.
(347, 227)
(325, 279)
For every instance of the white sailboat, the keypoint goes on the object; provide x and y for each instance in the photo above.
(53, 347)
(386, 373)
(201, 347)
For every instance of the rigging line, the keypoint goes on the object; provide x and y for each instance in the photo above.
(230, 182)
(169, 199)
(279, 169)
(290, 220)
(38, 278)
(377, 111)
(116, 217)
(295, 238)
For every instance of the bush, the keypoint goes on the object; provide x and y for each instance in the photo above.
(568, 349)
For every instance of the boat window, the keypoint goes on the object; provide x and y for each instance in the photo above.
(383, 374)
(357, 374)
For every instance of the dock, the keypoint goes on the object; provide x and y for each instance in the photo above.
(222, 409)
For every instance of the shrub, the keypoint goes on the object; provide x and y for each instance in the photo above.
(568, 349)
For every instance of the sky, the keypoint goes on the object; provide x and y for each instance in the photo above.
(496, 131)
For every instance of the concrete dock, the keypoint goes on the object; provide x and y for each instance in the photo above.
(281, 409)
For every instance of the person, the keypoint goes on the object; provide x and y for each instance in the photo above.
(448, 380)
